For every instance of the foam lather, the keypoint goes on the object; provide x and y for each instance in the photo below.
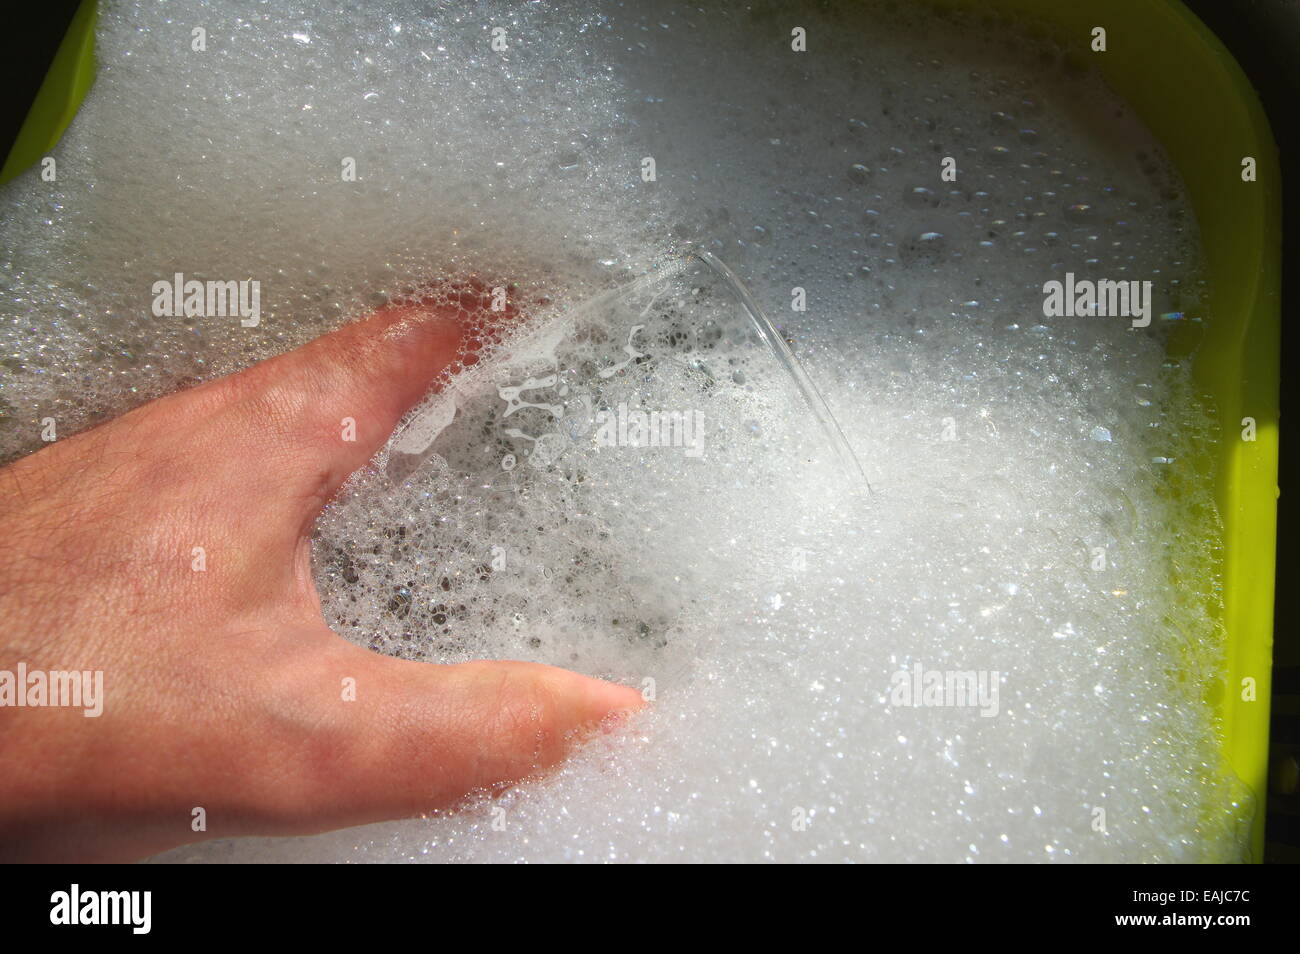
(997, 654)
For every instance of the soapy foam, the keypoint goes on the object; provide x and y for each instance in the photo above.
(770, 603)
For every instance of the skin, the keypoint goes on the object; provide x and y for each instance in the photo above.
(224, 688)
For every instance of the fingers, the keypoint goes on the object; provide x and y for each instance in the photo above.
(328, 406)
(310, 733)
(314, 415)
(414, 737)
(266, 448)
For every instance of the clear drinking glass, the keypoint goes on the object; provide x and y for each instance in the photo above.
(576, 384)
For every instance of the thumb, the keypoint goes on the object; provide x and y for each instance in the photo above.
(416, 737)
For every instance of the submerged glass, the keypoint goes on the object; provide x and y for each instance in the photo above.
(579, 381)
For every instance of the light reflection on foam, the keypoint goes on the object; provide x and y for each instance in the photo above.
(772, 642)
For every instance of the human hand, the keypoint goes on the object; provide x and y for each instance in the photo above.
(224, 688)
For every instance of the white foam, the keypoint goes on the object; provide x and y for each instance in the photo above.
(770, 607)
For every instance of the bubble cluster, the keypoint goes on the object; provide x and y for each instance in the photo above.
(1034, 516)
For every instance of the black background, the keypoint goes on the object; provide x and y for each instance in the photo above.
(379, 909)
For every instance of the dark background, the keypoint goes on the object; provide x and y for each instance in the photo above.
(1264, 36)
(26, 48)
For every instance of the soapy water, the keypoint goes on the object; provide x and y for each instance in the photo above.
(611, 423)
(695, 312)
(1034, 521)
